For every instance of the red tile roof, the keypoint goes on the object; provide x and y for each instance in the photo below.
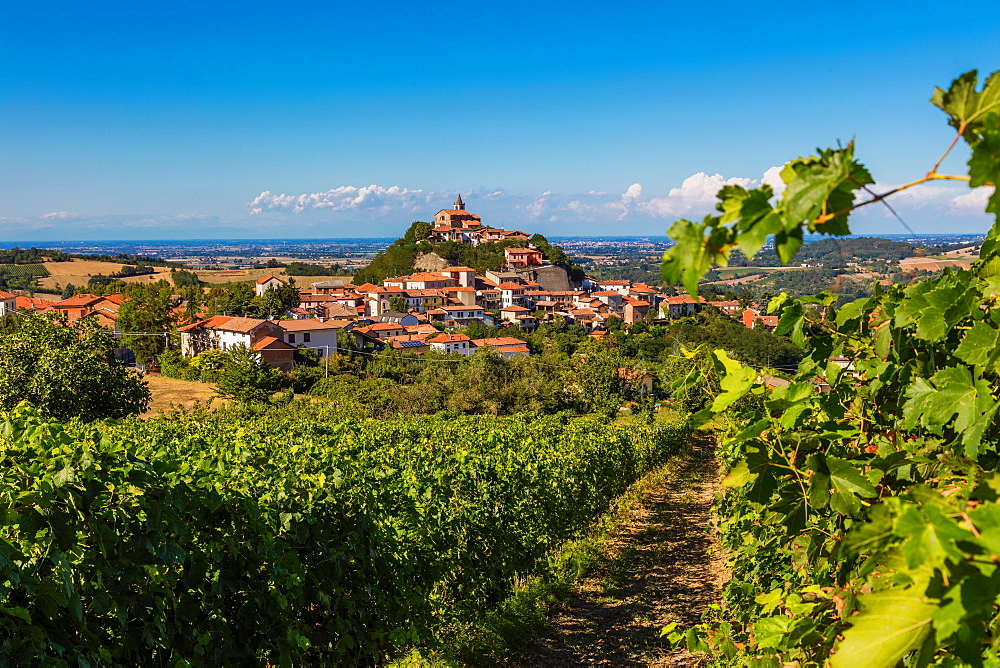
(269, 277)
(448, 338)
(311, 325)
(271, 342)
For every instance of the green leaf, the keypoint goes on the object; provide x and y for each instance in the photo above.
(950, 393)
(984, 165)
(695, 251)
(966, 106)
(977, 345)
(738, 476)
(736, 380)
(846, 478)
(822, 184)
(930, 534)
(890, 625)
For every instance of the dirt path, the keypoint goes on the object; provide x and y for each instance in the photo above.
(659, 571)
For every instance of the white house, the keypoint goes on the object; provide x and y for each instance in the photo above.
(319, 336)
(511, 293)
(8, 303)
(224, 332)
(266, 283)
(452, 343)
(463, 315)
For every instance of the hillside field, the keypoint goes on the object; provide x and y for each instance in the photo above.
(78, 272)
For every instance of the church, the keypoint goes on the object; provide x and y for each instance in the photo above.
(457, 217)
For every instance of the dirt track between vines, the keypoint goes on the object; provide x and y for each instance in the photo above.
(660, 568)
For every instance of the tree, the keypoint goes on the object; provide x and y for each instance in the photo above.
(67, 370)
(68, 291)
(398, 304)
(146, 314)
(246, 377)
(418, 231)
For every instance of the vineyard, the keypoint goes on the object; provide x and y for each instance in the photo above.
(285, 535)
(862, 523)
(24, 270)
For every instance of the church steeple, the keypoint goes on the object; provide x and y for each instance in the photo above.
(459, 204)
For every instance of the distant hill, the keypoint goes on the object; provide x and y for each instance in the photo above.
(832, 253)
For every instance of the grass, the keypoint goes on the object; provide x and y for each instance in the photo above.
(170, 393)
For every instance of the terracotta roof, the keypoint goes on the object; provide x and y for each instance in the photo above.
(449, 338)
(460, 308)
(521, 250)
(500, 341)
(510, 285)
(270, 341)
(311, 325)
(32, 303)
(7, 295)
(458, 269)
(226, 323)
(515, 309)
(269, 277)
(427, 276)
(422, 328)
(382, 327)
(78, 301)
(606, 293)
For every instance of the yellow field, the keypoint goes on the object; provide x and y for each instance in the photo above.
(78, 272)
(171, 393)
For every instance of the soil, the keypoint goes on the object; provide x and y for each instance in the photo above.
(661, 567)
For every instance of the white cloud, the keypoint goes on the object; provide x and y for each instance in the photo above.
(772, 177)
(697, 194)
(973, 201)
(343, 198)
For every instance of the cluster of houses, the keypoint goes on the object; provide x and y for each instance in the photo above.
(421, 311)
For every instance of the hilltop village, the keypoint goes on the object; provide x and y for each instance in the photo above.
(426, 310)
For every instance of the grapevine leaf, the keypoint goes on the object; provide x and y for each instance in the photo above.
(695, 252)
(984, 165)
(977, 344)
(950, 392)
(847, 479)
(822, 184)
(964, 104)
(989, 269)
(930, 534)
(973, 595)
(891, 624)
(736, 380)
(738, 476)
(731, 198)
(927, 305)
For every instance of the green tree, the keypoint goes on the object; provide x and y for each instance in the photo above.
(67, 370)
(145, 318)
(418, 231)
(398, 304)
(68, 291)
(245, 377)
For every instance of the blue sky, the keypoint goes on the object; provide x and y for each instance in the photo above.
(125, 120)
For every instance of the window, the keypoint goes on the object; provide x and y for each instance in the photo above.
(305, 337)
(291, 338)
